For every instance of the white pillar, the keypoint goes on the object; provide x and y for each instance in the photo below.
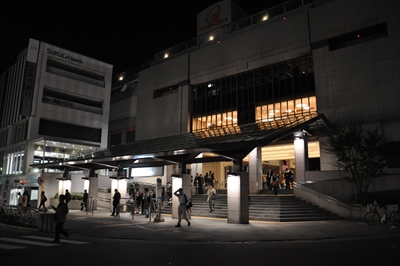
(93, 188)
(300, 155)
(86, 185)
(238, 198)
(176, 184)
(255, 170)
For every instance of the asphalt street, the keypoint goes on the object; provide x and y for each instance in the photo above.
(100, 239)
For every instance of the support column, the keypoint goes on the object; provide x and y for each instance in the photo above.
(255, 170)
(238, 198)
(300, 155)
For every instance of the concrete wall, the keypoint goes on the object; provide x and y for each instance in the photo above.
(166, 115)
(359, 81)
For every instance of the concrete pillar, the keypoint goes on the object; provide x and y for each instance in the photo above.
(301, 155)
(93, 188)
(238, 198)
(255, 170)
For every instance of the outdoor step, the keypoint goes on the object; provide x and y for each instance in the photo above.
(263, 208)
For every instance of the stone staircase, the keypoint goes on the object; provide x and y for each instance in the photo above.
(264, 207)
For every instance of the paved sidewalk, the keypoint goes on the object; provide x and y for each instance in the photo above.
(102, 225)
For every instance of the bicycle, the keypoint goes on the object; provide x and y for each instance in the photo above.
(390, 216)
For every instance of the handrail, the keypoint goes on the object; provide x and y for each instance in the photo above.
(325, 197)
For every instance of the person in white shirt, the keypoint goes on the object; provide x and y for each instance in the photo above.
(183, 202)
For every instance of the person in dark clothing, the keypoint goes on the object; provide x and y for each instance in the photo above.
(67, 196)
(138, 201)
(85, 200)
(43, 200)
(275, 183)
(169, 190)
(60, 217)
(288, 178)
(270, 175)
(116, 200)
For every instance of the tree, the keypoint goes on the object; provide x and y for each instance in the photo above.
(361, 153)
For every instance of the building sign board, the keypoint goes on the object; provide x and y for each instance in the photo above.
(147, 171)
(28, 86)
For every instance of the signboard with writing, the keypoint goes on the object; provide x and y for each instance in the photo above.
(28, 86)
(214, 17)
(147, 171)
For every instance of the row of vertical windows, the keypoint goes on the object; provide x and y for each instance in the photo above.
(12, 161)
(233, 100)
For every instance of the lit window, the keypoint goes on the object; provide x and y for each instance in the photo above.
(215, 121)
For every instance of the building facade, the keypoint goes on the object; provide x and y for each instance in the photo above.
(299, 59)
(54, 104)
(247, 93)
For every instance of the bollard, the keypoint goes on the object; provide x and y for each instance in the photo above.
(158, 217)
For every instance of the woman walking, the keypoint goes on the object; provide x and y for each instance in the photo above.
(60, 218)
(212, 195)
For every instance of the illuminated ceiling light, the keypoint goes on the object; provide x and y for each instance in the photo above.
(265, 17)
(121, 78)
(211, 38)
(288, 111)
(166, 55)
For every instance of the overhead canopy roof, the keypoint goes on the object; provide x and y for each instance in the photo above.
(230, 144)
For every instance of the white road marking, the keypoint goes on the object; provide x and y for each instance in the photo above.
(28, 242)
(5, 246)
(62, 240)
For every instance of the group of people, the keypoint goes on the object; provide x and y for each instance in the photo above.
(141, 200)
(201, 182)
(24, 199)
(272, 180)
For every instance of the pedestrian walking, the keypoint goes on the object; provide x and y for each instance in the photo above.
(43, 200)
(212, 195)
(116, 200)
(85, 200)
(60, 217)
(68, 196)
(182, 208)
(20, 199)
(275, 183)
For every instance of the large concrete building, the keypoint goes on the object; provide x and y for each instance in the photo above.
(54, 104)
(277, 68)
(258, 91)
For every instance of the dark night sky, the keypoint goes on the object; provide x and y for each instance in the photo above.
(124, 34)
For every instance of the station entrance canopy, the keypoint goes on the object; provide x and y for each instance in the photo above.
(229, 144)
